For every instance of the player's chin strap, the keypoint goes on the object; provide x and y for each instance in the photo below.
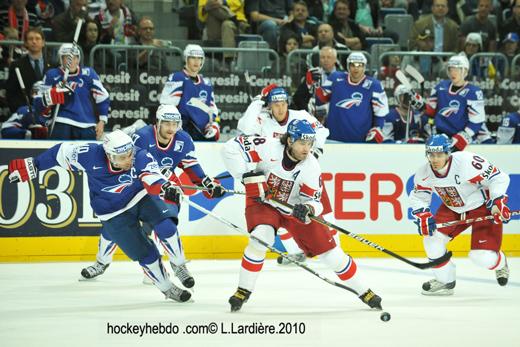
(269, 247)
(471, 220)
(356, 237)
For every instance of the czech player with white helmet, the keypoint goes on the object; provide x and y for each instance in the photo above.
(357, 103)
(469, 186)
(457, 106)
(285, 169)
(126, 190)
(193, 96)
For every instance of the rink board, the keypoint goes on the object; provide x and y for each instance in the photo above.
(51, 219)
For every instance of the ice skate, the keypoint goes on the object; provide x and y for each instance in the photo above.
(93, 271)
(182, 273)
(238, 299)
(177, 294)
(502, 275)
(300, 257)
(434, 287)
(371, 299)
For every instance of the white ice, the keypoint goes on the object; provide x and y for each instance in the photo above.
(44, 304)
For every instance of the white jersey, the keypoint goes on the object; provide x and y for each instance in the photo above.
(468, 183)
(258, 121)
(300, 184)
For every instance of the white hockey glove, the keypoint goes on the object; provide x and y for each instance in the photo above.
(57, 95)
(459, 141)
(212, 131)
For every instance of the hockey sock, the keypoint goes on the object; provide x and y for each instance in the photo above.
(344, 267)
(167, 232)
(288, 242)
(435, 247)
(254, 256)
(157, 243)
(106, 249)
(154, 269)
(488, 259)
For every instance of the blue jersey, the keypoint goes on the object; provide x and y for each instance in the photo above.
(180, 152)
(509, 130)
(111, 192)
(78, 109)
(354, 108)
(457, 111)
(394, 129)
(194, 99)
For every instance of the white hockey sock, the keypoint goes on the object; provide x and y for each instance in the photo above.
(106, 250)
(173, 247)
(157, 273)
(488, 259)
(435, 247)
(345, 268)
(254, 256)
(157, 243)
(329, 217)
(288, 242)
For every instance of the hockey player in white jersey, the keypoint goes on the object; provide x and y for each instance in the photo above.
(271, 121)
(469, 187)
(284, 169)
(193, 95)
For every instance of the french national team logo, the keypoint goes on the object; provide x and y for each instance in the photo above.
(452, 108)
(125, 181)
(355, 100)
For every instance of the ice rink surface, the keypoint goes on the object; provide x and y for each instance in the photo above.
(44, 304)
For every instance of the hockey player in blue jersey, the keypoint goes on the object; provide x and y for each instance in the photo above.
(193, 96)
(357, 103)
(76, 119)
(172, 147)
(458, 106)
(395, 127)
(509, 130)
(124, 181)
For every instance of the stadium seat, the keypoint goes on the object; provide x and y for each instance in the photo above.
(402, 25)
(253, 61)
(390, 10)
(378, 40)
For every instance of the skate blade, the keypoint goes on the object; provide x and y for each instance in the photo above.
(442, 292)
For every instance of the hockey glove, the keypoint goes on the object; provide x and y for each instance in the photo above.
(171, 176)
(57, 94)
(213, 188)
(375, 135)
(302, 213)
(313, 77)
(266, 90)
(171, 193)
(212, 131)
(459, 141)
(38, 131)
(317, 152)
(416, 101)
(501, 213)
(22, 170)
(255, 184)
(425, 221)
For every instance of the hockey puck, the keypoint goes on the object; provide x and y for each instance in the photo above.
(385, 316)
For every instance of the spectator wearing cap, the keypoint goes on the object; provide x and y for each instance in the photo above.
(480, 23)
(509, 48)
(430, 67)
(444, 29)
(512, 25)
(478, 66)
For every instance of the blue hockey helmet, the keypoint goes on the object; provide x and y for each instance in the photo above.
(438, 144)
(277, 94)
(300, 129)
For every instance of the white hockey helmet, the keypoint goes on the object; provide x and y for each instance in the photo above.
(459, 61)
(68, 49)
(117, 143)
(402, 90)
(38, 88)
(168, 113)
(356, 57)
(193, 50)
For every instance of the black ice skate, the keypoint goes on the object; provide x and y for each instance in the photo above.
(434, 287)
(300, 257)
(93, 271)
(177, 294)
(371, 299)
(182, 273)
(502, 275)
(238, 299)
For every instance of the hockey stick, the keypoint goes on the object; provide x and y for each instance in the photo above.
(401, 77)
(66, 74)
(471, 220)
(248, 83)
(229, 191)
(196, 102)
(25, 94)
(369, 243)
(416, 75)
(269, 247)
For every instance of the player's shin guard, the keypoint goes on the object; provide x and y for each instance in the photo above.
(344, 267)
(290, 246)
(435, 247)
(493, 261)
(106, 249)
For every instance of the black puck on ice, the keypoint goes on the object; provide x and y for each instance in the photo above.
(385, 316)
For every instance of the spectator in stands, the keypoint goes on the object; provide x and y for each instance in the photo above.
(480, 23)
(430, 67)
(346, 31)
(479, 66)
(64, 25)
(46, 10)
(89, 37)
(512, 25)
(325, 39)
(319, 9)
(11, 52)
(299, 26)
(118, 23)
(457, 9)
(32, 67)
(269, 16)
(443, 29)
(16, 16)
(509, 48)
(366, 14)
(151, 61)
(289, 43)
(224, 20)
(391, 63)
